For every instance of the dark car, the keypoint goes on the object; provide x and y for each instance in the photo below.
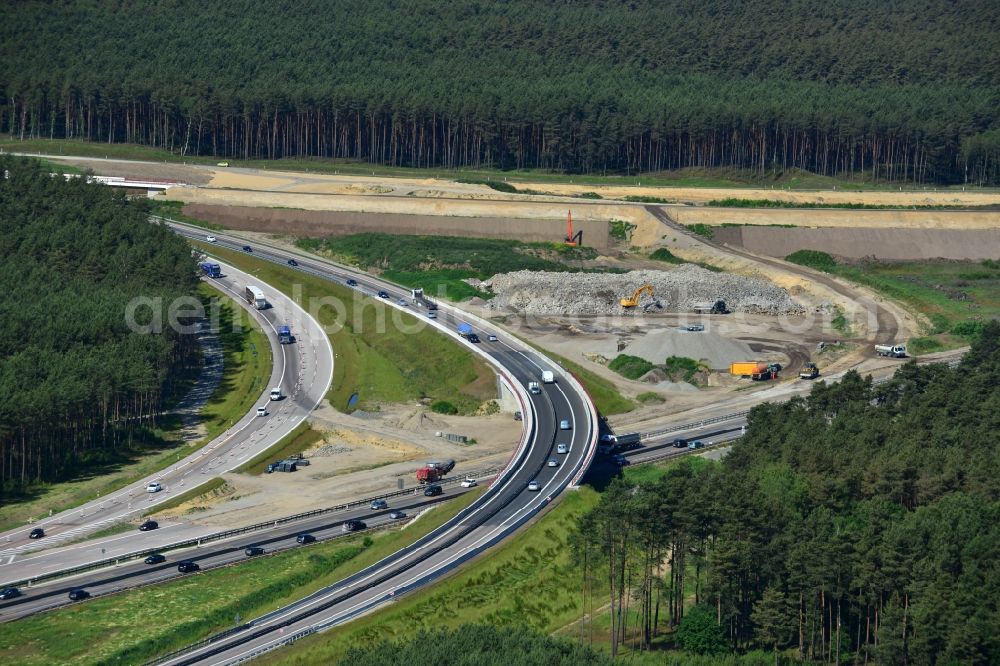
(397, 515)
(620, 460)
(680, 443)
(352, 283)
(254, 550)
(305, 538)
(78, 594)
(9, 593)
(383, 294)
(37, 533)
(353, 526)
(148, 525)
(472, 337)
(247, 248)
(155, 558)
(432, 490)
(187, 566)
(292, 262)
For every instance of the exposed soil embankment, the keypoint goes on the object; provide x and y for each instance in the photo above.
(316, 223)
(892, 244)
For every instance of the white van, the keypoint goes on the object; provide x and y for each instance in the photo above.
(276, 393)
(262, 411)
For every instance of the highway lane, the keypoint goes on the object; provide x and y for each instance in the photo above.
(507, 505)
(136, 573)
(304, 371)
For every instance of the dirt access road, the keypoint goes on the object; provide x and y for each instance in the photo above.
(886, 325)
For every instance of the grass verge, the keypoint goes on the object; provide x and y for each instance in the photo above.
(187, 496)
(246, 370)
(530, 580)
(136, 625)
(382, 355)
(296, 441)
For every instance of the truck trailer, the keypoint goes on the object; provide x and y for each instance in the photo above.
(895, 351)
(418, 298)
(255, 297)
(429, 475)
(618, 443)
(710, 307)
(464, 329)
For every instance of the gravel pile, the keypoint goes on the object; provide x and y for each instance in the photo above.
(715, 351)
(542, 293)
(329, 450)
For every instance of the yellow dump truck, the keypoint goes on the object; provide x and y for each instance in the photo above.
(747, 369)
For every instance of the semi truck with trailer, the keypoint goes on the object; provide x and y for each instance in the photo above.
(255, 297)
(618, 443)
(755, 370)
(210, 269)
(895, 351)
(418, 298)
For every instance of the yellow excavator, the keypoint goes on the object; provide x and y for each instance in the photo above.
(633, 300)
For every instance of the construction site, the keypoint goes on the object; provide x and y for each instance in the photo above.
(677, 324)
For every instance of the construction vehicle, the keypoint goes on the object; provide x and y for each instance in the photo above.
(429, 475)
(896, 351)
(809, 371)
(443, 466)
(573, 240)
(710, 307)
(755, 370)
(633, 300)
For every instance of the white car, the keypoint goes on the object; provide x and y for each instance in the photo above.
(564, 425)
(210, 239)
(491, 337)
(154, 487)
(262, 411)
(553, 462)
(432, 315)
(469, 483)
(562, 448)
(534, 486)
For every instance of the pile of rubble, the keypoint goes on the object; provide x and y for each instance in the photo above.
(543, 293)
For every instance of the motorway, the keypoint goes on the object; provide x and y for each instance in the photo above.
(505, 506)
(303, 370)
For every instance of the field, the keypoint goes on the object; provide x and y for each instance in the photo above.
(957, 297)
(136, 625)
(247, 366)
(381, 355)
(439, 264)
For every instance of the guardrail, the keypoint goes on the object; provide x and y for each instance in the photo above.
(238, 531)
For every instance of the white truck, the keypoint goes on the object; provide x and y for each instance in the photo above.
(534, 388)
(895, 351)
(548, 377)
(255, 297)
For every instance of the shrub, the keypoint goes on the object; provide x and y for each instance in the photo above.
(621, 229)
(967, 329)
(648, 397)
(702, 230)
(821, 261)
(631, 367)
(444, 407)
(665, 255)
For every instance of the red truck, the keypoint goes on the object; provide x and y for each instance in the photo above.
(434, 471)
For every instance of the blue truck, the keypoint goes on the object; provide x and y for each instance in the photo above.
(285, 335)
(211, 270)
